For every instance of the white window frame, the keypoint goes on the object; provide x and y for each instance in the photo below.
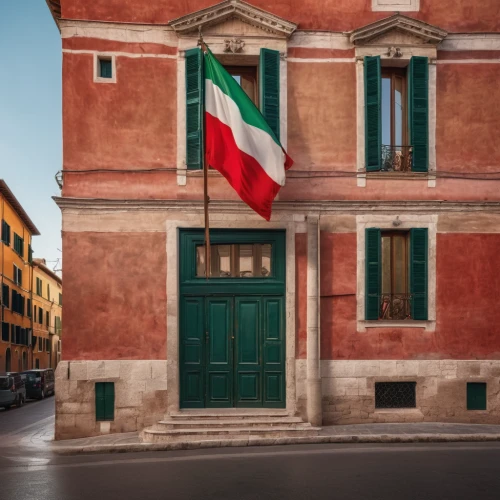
(404, 222)
(388, 61)
(395, 5)
(107, 57)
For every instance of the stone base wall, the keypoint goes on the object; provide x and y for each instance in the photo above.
(348, 389)
(140, 396)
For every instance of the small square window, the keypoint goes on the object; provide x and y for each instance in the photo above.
(476, 395)
(105, 68)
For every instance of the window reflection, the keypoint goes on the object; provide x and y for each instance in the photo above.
(236, 261)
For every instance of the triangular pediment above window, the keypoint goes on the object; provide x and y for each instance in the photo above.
(224, 12)
(398, 30)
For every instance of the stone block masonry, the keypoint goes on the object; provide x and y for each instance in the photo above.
(140, 396)
(348, 390)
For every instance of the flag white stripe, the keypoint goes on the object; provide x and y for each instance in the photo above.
(249, 139)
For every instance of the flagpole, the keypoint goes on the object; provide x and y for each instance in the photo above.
(206, 198)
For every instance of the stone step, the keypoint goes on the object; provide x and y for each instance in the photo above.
(188, 423)
(206, 433)
(231, 413)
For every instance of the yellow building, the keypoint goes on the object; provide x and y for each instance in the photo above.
(47, 316)
(16, 274)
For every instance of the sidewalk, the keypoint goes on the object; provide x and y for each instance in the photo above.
(428, 432)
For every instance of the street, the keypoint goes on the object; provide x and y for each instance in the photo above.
(29, 470)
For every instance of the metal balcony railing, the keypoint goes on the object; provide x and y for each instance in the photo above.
(396, 158)
(395, 306)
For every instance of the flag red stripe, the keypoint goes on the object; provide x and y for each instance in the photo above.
(242, 171)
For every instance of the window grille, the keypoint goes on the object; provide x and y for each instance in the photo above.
(395, 395)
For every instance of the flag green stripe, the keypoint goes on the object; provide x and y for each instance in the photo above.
(215, 72)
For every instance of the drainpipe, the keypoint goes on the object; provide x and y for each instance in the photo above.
(314, 409)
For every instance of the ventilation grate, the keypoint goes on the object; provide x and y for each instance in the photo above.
(395, 395)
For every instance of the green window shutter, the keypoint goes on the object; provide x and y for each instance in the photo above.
(269, 86)
(104, 401)
(109, 401)
(373, 115)
(195, 83)
(476, 395)
(418, 105)
(373, 273)
(99, 401)
(30, 254)
(418, 273)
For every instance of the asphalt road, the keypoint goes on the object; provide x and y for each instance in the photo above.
(438, 471)
(30, 471)
(16, 419)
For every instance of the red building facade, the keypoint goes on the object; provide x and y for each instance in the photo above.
(371, 294)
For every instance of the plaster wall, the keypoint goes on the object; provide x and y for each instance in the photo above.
(114, 296)
(335, 15)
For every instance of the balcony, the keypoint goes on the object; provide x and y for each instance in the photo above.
(395, 306)
(396, 158)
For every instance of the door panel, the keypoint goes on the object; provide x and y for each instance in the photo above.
(219, 352)
(248, 351)
(191, 352)
(273, 320)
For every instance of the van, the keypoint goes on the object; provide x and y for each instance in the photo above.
(39, 383)
(12, 390)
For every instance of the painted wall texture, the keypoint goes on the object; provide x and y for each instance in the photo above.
(115, 298)
(337, 15)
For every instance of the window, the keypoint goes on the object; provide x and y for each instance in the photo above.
(5, 296)
(28, 308)
(263, 91)
(396, 274)
(48, 291)
(17, 276)
(236, 261)
(34, 313)
(18, 245)
(104, 401)
(397, 116)
(37, 364)
(40, 344)
(40, 315)
(5, 331)
(396, 154)
(476, 395)
(39, 287)
(60, 299)
(105, 68)
(5, 233)
(18, 302)
(58, 325)
(395, 395)
(13, 334)
(395, 5)
(246, 77)
(30, 254)
(47, 318)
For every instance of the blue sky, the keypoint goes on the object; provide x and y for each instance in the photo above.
(30, 116)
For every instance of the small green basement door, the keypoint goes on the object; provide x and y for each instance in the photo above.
(232, 326)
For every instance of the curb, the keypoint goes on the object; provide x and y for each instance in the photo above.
(195, 445)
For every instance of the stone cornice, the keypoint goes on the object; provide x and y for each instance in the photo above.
(428, 33)
(299, 207)
(228, 9)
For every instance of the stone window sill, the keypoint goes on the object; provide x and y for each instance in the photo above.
(409, 323)
(411, 411)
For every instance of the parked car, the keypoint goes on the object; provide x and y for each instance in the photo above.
(39, 383)
(12, 390)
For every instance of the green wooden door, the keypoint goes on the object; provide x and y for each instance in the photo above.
(232, 333)
(219, 352)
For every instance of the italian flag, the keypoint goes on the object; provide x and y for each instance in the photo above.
(239, 142)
